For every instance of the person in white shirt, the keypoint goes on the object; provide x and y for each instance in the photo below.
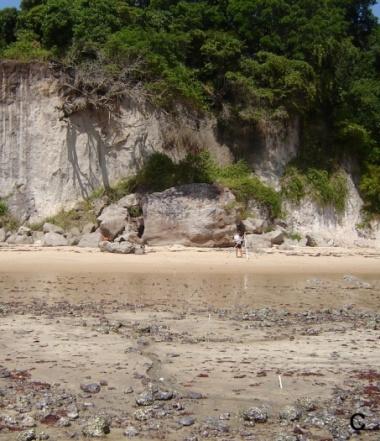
(239, 239)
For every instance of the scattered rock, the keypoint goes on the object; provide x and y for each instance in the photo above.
(54, 240)
(310, 241)
(162, 395)
(63, 422)
(290, 413)
(353, 282)
(90, 240)
(28, 422)
(24, 231)
(96, 427)
(4, 373)
(131, 431)
(255, 414)
(186, 421)
(91, 388)
(143, 414)
(117, 247)
(307, 404)
(28, 435)
(20, 239)
(145, 399)
(51, 228)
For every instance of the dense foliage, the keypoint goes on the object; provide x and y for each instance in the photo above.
(245, 60)
(160, 172)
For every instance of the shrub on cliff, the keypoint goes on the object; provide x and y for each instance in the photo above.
(26, 48)
(3, 208)
(320, 186)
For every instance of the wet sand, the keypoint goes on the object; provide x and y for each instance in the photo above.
(214, 330)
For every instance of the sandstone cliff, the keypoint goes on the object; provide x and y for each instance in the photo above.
(48, 161)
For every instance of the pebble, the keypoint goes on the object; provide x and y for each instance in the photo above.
(186, 421)
(28, 435)
(131, 431)
(91, 388)
(145, 398)
(256, 415)
(290, 413)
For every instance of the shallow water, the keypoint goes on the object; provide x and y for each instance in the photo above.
(184, 291)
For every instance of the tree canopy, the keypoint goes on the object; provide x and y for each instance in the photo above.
(244, 60)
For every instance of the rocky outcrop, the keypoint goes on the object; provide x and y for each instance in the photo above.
(324, 226)
(48, 161)
(22, 237)
(192, 214)
(90, 240)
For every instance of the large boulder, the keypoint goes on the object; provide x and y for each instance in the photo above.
(255, 225)
(113, 220)
(257, 242)
(88, 228)
(37, 237)
(3, 235)
(24, 231)
(276, 237)
(131, 200)
(18, 239)
(22, 237)
(90, 240)
(54, 240)
(193, 214)
(51, 228)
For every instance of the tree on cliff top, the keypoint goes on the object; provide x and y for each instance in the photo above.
(245, 60)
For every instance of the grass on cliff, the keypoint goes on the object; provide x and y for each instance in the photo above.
(7, 221)
(323, 188)
(160, 172)
(68, 219)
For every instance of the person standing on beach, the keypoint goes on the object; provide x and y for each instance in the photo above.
(238, 239)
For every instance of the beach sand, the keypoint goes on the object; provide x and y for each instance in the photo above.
(216, 331)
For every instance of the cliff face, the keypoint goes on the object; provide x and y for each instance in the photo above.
(48, 162)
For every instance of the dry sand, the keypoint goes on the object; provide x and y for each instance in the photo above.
(182, 260)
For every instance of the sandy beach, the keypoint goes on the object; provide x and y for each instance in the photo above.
(190, 260)
(188, 344)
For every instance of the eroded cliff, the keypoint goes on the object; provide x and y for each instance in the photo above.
(49, 161)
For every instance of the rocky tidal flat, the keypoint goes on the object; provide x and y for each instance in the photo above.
(171, 357)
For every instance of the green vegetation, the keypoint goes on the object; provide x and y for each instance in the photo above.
(246, 61)
(66, 219)
(322, 187)
(295, 236)
(7, 221)
(3, 208)
(160, 172)
(370, 186)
